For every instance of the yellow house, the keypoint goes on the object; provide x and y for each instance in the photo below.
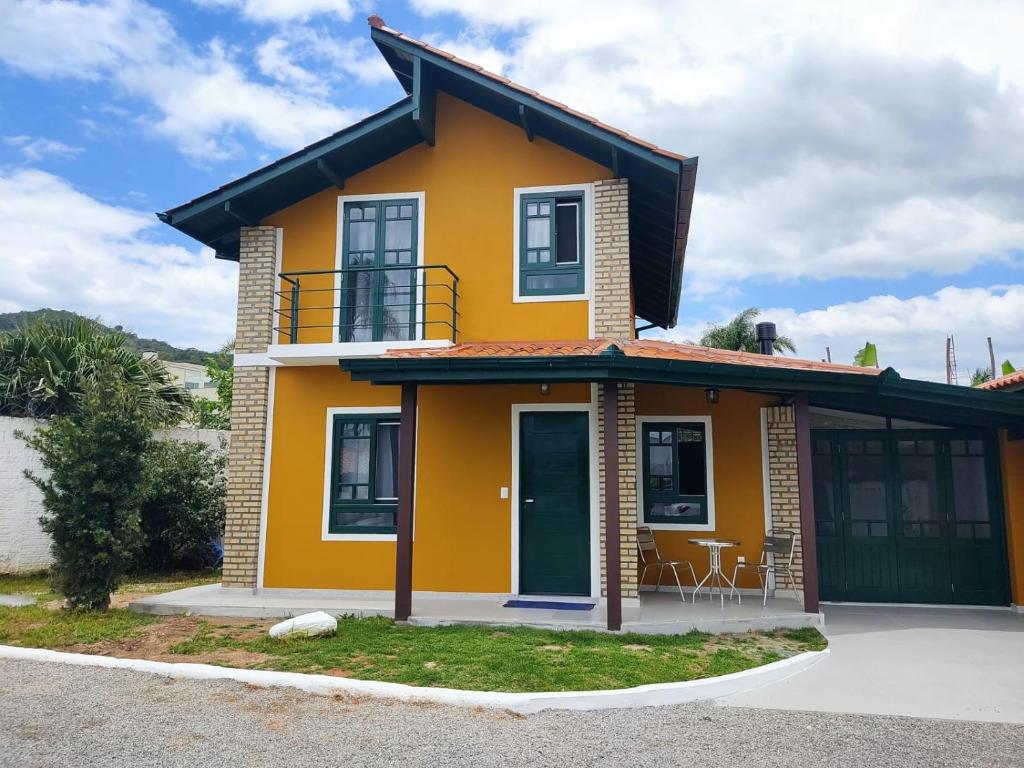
(442, 391)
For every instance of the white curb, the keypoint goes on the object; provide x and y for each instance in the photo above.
(659, 694)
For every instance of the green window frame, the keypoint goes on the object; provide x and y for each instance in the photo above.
(379, 297)
(552, 244)
(364, 473)
(676, 472)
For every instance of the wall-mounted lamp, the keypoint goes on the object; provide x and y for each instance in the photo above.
(545, 389)
(711, 395)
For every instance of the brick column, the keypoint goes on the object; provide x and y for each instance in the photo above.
(256, 280)
(612, 290)
(627, 487)
(784, 481)
(613, 319)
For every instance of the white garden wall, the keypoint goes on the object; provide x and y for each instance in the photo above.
(24, 547)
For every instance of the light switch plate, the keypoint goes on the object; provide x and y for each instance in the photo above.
(504, 492)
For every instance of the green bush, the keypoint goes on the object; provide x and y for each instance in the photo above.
(183, 504)
(94, 455)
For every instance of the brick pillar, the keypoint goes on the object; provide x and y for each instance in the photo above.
(256, 280)
(612, 290)
(627, 487)
(784, 481)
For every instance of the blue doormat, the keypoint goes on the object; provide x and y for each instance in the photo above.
(549, 605)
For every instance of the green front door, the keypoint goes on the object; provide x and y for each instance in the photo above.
(554, 504)
(910, 516)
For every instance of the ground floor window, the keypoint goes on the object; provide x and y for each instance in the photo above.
(676, 463)
(364, 474)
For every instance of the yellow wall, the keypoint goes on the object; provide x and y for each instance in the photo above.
(739, 485)
(462, 529)
(468, 177)
(1012, 453)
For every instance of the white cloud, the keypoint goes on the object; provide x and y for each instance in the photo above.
(876, 139)
(283, 10)
(99, 259)
(37, 148)
(910, 333)
(274, 61)
(202, 99)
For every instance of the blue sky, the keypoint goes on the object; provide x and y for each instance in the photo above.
(862, 174)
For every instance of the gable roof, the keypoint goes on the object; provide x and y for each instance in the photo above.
(661, 182)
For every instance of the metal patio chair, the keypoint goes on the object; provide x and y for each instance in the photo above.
(776, 560)
(650, 557)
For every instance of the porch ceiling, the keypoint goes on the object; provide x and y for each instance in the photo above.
(827, 385)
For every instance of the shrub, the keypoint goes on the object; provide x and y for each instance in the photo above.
(94, 456)
(183, 504)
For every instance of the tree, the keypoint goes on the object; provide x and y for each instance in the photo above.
(94, 458)
(216, 414)
(867, 357)
(980, 376)
(740, 334)
(46, 368)
(1008, 368)
(183, 504)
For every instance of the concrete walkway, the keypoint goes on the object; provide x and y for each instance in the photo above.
(953, 663)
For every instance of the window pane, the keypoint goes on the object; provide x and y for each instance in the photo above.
(567, 222)
(538, 233)
(660, 460)
(970, 489)
(568, 281)
(397, 295)
(406, 211)
(692, 460)
(361, 235)
(391, 212)
(376, 518)
(919, 490)
(866, 479)
(354, 462)
(824, 492)
(386, 480)
(398, 234)
(677, 512)
(369, 213)
(531, 209)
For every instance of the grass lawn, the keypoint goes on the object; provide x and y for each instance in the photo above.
(38, 586)
(469, 657)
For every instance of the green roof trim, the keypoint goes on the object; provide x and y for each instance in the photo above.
(884, 393)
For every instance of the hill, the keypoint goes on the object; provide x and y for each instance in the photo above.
(12, 320)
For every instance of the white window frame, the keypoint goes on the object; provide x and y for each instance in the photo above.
(339, 262)
(586, 190)
(709, 463)
(353, 410)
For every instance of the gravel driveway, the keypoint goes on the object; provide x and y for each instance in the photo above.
(57, 715)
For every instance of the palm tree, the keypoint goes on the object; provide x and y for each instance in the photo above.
(739, 334)
(45, 368)
(980, 376)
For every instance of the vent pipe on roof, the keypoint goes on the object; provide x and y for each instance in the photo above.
(766, 336)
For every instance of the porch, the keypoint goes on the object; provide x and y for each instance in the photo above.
(654, 613)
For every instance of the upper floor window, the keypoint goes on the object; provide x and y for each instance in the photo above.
(551, 244)
(676, 472)
(378, 292)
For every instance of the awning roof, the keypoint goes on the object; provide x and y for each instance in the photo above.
(661, 182)
(829, 385)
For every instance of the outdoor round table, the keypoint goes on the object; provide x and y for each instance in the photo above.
(716, 575)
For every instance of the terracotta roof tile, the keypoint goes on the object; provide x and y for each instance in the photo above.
(377, 23)
(645, 348)
(1015, 379)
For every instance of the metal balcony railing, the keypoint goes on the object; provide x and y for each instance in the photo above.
(399, 303)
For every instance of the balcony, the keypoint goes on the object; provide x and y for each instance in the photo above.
(322, 315)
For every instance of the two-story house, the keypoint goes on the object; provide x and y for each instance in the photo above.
(440, 386)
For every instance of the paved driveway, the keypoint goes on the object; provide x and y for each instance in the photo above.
(962, 664)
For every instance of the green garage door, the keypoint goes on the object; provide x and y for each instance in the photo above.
(908, 516)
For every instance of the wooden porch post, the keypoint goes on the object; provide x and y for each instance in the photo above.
(806, 483)
(613, 564)
(406, 485)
